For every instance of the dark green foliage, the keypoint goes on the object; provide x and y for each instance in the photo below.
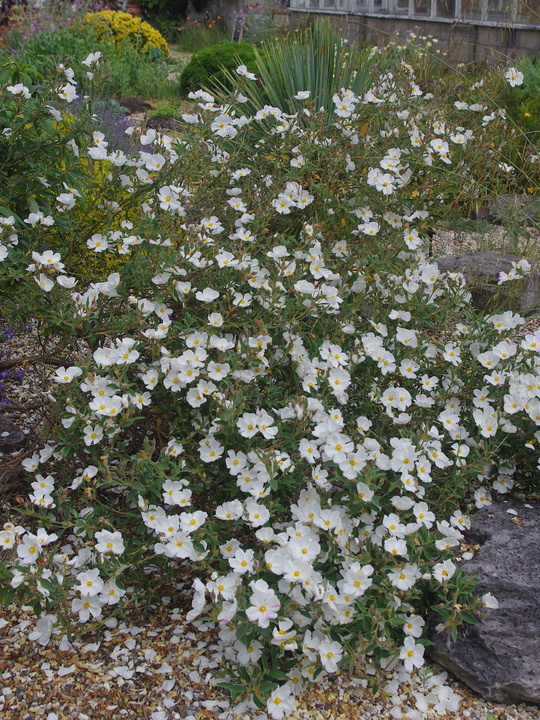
(523, 103)
(208, 66)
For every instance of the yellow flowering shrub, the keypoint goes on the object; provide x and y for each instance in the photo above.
(121, 27)
(101, 209)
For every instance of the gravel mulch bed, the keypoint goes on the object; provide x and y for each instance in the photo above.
(155, 666)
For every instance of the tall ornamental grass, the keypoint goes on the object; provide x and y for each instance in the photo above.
(315, 59)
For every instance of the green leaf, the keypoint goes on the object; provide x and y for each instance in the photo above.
(6, 595)
(442, 611)
(245, 633)
(469, 618)
(259, 701)
(32, 204)
(235, 689)
(267, 687)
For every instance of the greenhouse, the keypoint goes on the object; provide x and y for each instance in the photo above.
(507, 12)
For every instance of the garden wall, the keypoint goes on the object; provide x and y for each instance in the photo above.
(464, 40)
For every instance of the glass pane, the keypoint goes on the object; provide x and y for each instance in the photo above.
(329, 4)
(472, 9)
(422, 7)
(314, 4)
(380, 6)
(446, 8)
(529, 12)
(401, 6)
(499, 9)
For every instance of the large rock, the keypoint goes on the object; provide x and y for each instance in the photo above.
(164, 123)
(135, 105)
(500, 657)
(481, 271)
(11, 438)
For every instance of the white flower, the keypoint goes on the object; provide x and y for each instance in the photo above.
(264, 604)
(231, 510)
(91, 59)
(330, 653)
(281, 702)
(109, 542)
(242, 562)
(19, 89)
(404, 578)
(215, 319)
(64, 375)
(87, 606)
(111, 593)
(7, 539)
(44, 282)
(68, 93)
(490, 601)
(29, 549)
(513, 77)
(412, 654)
(92, 434)
(90, 583)
(97, 243)
(482, 498)
(207, 295)
(247, 425)
(66, 282)
(413, 625)
(444, 571)
(242, 70)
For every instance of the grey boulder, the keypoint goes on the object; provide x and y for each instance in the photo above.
(481, 271)
(500, 657)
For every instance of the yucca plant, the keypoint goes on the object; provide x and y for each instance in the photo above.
(317, 59)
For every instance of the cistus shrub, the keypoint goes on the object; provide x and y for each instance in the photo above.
(280, 389)
(38, 146)
(125, 29)
(43, 144)
(207, 67)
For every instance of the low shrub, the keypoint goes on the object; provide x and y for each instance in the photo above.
(126, 72)
(123, 28)
(523, 103)
(42, 171)
(208, 67)
(39, 150)
(280, 388)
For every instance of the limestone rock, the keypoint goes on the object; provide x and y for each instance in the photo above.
(481, 271)
(164, 123)
(135, 105)
(500, 657)
(11, 438)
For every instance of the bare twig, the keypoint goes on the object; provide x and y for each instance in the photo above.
(48, 360)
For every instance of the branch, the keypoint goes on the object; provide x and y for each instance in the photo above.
(48, 360)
